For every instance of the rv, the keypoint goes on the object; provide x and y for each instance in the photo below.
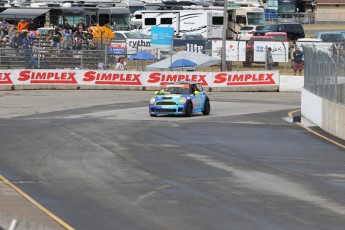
(208, 23)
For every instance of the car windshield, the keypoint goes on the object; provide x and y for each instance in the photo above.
(271, 27)
(176, 89)
(332, 37)
(133, 35)
(247, 28)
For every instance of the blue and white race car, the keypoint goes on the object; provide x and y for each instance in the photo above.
(180, 98)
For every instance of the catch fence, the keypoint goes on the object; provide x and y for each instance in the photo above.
(325, 73)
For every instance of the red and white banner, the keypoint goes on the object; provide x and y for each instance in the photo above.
(136, 78)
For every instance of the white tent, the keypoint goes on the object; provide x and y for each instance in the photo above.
(200, 59)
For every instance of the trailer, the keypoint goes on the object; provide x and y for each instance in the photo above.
(208, 23)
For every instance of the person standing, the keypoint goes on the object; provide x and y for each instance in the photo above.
(121, 64)
(65, 26)
(297, 61)
(27, 44)
(56, 37)
(269, 59)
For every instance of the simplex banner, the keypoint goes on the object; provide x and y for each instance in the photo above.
(136, 78)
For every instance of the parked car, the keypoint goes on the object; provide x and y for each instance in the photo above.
(331, 36)
(180, 98)
(278, 36)
(271, 14)
(293, 30)
(122, 35)
(250, 49)
(246, 32)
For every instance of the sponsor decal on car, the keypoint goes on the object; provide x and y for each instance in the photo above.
(5, 79)
(112, 78)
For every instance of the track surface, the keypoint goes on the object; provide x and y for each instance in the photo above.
(98, 161)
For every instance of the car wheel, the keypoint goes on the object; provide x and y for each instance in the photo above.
(189, 110)
(207, 108)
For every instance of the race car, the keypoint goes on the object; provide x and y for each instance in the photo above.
(180, 98)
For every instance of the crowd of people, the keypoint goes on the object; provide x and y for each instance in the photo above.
(21, 37)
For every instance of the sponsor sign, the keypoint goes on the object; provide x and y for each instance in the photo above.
(248, 78)
(135, 45)
(326, 47)
(197, 46)
(136, 78)
(280, 51)
(117, 47)
(54, 77)
(235, 50)
(111, 78)
(161, 37)
(162, 78)
(5, 78)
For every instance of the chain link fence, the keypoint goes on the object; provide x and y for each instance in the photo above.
(325, 73)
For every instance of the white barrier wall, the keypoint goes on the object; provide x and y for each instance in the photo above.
(136, 78)
(311, 107)
(291, 83)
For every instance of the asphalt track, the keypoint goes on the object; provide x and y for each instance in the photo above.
(98, 161)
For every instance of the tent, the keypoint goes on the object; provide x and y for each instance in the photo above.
(201, 60)
(182, 63)
(142, 55)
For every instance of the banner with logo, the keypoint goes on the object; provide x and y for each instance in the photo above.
(136, 78)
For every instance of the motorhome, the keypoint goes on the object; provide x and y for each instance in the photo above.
(208, 23)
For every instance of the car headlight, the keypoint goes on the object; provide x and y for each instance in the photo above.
(182, 100)
(153, 100)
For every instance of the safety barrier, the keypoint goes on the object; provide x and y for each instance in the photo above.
(139, 80)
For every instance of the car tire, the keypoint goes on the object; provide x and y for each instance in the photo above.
(189, 110)
(153, 115)
(207, 108)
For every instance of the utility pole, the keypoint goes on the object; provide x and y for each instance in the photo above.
(225, 26)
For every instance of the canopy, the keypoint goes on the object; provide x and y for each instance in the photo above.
(182, 63)
(142, 55)
(28, 13)
(201, 60)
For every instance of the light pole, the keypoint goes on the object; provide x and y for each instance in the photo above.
(225, 25)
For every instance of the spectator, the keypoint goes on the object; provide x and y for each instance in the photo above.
(22, 27)
(269, 59)
(81, 23)
(27, 44)
(297, 61)
(56, 38)
(5, 24)
(11, 32)
(74, 28)
(78, 39)
(16, 42)
(121, 64)
(3, 38)
(67, 39)
(89, 38)
(65, 25)
(32, 26)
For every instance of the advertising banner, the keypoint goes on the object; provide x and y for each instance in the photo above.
(136, 78)
(235, 50)
(280, 51)
(161, 37)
